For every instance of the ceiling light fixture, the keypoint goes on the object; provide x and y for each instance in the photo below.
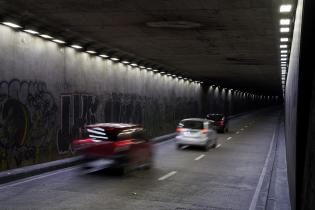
(30, 31)
(12, 25)
(76, 46)
(284, 29)
(58, 41)
(284, 22)
(285, 8)
(284, 39)
(91, 51)
(284, 51)
(45, 36)
(114, 59)
(104, 56)
(283, 46)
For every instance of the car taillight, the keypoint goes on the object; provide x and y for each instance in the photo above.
(221, 122)
(179, 129)
(82, 141)
(122, 145)
(204, 130)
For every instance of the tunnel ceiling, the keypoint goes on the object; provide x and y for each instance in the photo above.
(233, 43)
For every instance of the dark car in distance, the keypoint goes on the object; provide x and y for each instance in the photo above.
(125, 145)
(220, 122)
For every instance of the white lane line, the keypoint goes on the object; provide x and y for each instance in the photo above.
(167, 175)
(242, 129)
(253, 204)
(237, 132)
(37, 177)
(199, 157)
(219, 145)
(229, 138)
(246, 126)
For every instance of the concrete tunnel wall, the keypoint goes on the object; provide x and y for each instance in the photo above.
(300, 110)
(47, 92)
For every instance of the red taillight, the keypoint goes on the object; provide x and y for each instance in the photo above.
(179, 129)
(83, 141)
(122, 145)
(204, 130)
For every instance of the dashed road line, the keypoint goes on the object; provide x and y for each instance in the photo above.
(167, 175)
(199, 157)
(237, 132)
(219, 145)
(242, 129)
(229, 138)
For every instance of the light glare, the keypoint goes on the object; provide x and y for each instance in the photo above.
(283, 46)
(58, 41)
(76, 46)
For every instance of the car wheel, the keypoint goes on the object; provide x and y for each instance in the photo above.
(178, 146)
(215, 143)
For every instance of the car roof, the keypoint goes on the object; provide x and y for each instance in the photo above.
(196, 119)
(113, 125)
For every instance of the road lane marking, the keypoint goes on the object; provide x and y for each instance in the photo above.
(219, 145)
(242, 129)
(237, 132)
(254, 201)
(167, 175)
(199, 157)
(37, 177)
(229, 138)
(246, 126)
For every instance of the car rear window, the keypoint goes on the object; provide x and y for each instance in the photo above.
(215, 117)
(192, 124)
(104, 134)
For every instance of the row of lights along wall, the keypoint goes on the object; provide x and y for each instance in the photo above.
(77, 46)
(286, 28)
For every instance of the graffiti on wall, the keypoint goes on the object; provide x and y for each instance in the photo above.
(77, 110)
(27, 121)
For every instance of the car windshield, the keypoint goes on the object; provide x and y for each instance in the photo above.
(192, 124)
(215, 117)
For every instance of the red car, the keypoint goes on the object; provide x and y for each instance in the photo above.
(124, 144)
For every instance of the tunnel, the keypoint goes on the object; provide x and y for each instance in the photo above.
(165, 104)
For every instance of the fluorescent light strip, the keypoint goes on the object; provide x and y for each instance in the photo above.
(12, 25)
(58, 41)
(114, 59)
(45, 36)
(104, 56)
(284, 29)
(284, 21)
(285, 8)
(30, 31)
(284, 39)
(133, 64)
(283, 55)
(283, 46)
(125, 62)
(76, 46)
(91, 51)
(284, 51)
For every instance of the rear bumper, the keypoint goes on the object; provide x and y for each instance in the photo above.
(192, 141)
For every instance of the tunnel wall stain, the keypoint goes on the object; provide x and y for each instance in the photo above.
(47, 92)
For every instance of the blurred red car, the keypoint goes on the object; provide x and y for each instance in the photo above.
(124, 144)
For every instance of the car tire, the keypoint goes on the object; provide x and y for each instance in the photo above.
(178, 146)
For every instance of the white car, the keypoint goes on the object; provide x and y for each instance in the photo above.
(196, 132)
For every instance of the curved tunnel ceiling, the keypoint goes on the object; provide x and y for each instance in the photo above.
(232, 43)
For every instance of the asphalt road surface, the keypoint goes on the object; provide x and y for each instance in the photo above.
(226, 177)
